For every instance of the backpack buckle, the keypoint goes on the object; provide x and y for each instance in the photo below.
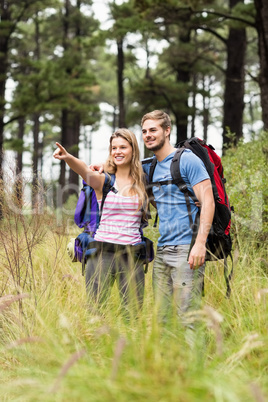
(183, 188)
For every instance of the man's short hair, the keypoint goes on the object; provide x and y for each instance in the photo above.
(164, 119)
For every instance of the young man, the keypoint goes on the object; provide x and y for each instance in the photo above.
(177, 273)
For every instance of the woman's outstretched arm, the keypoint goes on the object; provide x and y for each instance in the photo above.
(94, 179)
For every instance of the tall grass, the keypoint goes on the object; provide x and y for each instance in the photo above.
(54, 348)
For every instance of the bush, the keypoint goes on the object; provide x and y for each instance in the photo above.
(246, 174)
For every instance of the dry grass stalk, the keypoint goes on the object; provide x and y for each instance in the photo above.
(21, 230)
(261, 293)
(66, 367)
(30, 339)
(120, 346)
(69, 277)
(257, 393)
(7, 300)
(103, 330)
(214, 320)
(251, 343)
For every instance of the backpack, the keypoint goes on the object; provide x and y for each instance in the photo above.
(88, 215)
(219, 243)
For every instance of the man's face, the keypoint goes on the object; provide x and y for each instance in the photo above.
(154, 136)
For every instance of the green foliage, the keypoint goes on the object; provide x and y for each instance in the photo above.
(246, 12)
(126, 19)
(15, 144)
(246, 173)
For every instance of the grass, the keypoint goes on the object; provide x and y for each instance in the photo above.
(54, 349)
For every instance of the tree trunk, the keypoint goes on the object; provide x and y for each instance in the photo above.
(4, 38)
(73, 177)
(262, 29)
(206, 105)
(183, 77)
(18, 179)
(70, 126)
(36, 130)
(64, 142)
(3, 62)
(181, 127)
(70, 121)
(193, 112)
(120, 83)
(35, 180)
(234, 85)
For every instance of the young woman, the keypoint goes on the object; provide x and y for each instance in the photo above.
(119, 229)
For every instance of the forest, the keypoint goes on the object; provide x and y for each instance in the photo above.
(203, 62)
(63, 73)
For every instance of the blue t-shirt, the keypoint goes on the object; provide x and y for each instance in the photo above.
(174, 226)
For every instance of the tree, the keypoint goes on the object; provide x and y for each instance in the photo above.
(262, 29)
(12, 12)
(234, 82)
(126, 21)
(168, 87)
(58, 80)
(186, 62)
(77, 78)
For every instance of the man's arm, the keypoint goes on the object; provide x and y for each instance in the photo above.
(203, 192)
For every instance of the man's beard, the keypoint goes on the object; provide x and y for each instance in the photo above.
(158, 146)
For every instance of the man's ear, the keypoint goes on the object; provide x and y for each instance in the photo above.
(167, 133)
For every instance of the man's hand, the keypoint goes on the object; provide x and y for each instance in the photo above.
(203, 192)
(197, 255)
(97, 168)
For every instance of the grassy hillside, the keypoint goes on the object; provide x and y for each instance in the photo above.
(53, 348)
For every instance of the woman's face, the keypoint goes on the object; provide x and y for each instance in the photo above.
(121, 151)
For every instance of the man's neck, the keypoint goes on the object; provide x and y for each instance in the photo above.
(162, 153)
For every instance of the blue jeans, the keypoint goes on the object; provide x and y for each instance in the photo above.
(174, 281)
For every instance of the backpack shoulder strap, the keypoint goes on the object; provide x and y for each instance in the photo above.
(107, 186)
(152, 169)
(175, 170)
(178, 180)
(176, 173)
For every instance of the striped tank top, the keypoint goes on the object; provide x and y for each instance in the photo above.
(120, 220)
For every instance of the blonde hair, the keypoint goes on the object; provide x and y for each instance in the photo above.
(136, 171)
(162, 117)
